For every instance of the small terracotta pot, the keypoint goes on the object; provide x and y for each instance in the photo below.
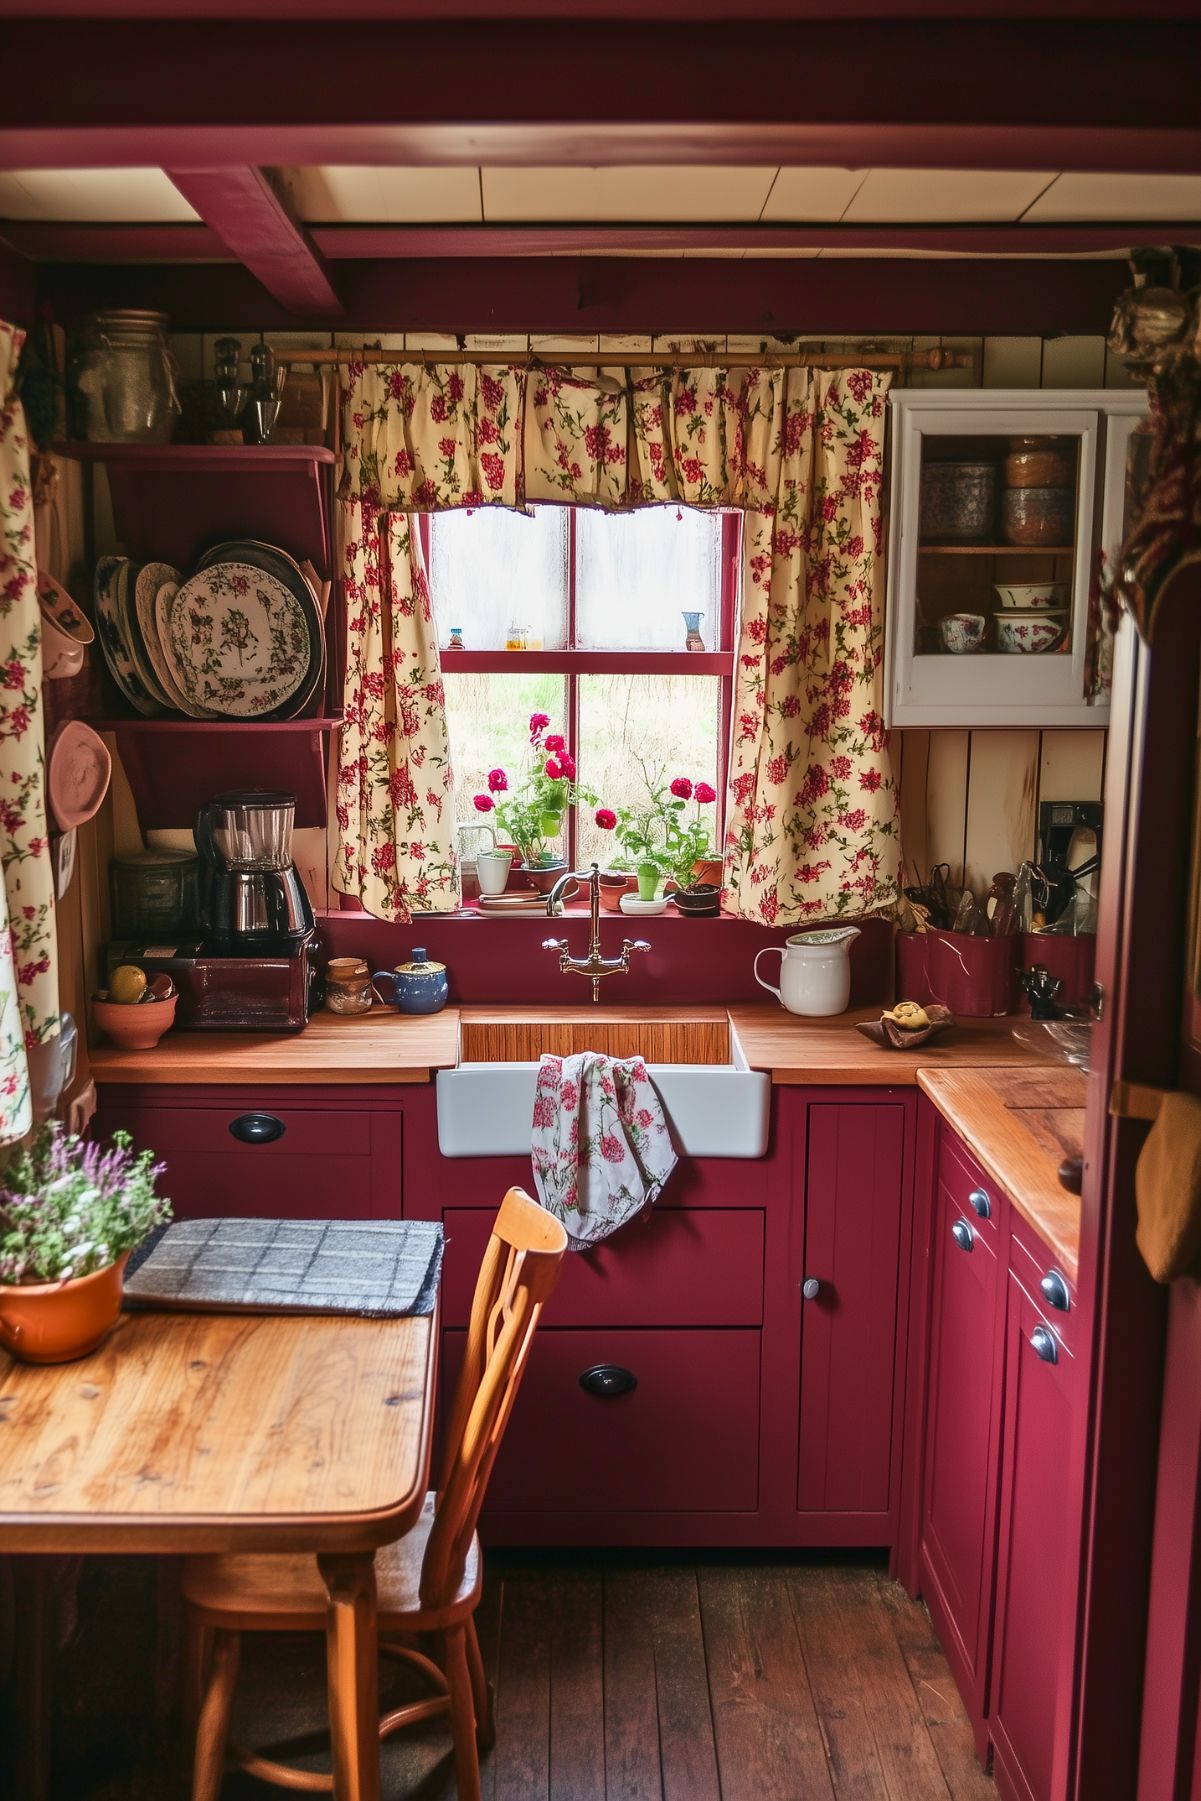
(544, 877)
(613, 884)
(137, 1026)
(55, 1322)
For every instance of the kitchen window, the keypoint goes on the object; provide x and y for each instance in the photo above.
(598, 602)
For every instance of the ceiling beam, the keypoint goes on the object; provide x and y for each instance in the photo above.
(962, 94)
(687, 11)
(768, 295)
(242, 209)
(63, 241)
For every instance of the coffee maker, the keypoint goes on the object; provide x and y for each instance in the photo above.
(252, 897)
(255, 969)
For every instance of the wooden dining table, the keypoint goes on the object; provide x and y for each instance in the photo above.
(194, 1432)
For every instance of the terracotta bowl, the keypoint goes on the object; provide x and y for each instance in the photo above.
(55, 1322)
(613, 886)
(544, 879)
(135, 1026)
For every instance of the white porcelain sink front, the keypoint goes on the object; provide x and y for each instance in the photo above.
(714, 1110)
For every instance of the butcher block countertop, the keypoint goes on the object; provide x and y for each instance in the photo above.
(830, 1052)
(1020, 1124)
(380, 1046)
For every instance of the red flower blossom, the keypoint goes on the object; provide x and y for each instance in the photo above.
(498, 781)
(681, 787)
(483, 803)
(703, 793)
(605, 818)
(553, 771)
(538, 723)
(567, 764)
(556, 741)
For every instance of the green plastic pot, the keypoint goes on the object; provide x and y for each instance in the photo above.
(649, 878)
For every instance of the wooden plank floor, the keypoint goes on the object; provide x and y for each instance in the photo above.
(621, 1677)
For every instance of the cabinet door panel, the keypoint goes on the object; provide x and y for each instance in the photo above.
(958, 1511)
(854, 1195)
(1035, 1551)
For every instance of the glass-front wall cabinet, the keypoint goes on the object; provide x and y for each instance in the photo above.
(997, 503)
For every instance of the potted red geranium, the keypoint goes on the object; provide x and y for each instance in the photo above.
(532, 811)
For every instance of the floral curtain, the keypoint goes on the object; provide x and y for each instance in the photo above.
(29, 1017)
(812, 816)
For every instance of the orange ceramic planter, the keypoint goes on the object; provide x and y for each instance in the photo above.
(55, 1322)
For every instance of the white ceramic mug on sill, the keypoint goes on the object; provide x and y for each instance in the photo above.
(815, 971)
(492, 870)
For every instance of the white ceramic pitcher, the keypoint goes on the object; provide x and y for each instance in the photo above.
(815, 970)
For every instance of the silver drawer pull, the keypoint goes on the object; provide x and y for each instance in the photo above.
(981, 1203)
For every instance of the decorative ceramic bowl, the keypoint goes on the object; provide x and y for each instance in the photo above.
(1031, 597)
(135, 1026)
(958, 501)
(66, 632)
(78, 776)
(962, 632)
(1030, 633)
(1038, 515)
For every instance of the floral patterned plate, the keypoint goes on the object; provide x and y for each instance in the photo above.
(277, 562)
(113, 642)
(147, 582)
(238, 641)
(125, 594)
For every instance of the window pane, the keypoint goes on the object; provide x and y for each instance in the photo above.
(636, 573)
(670, 721)
(491, 568)
(489, 721)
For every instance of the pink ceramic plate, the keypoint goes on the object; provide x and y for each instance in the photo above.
(78, 776)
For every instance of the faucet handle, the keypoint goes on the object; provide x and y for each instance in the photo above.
(554, 944)
(636, 944)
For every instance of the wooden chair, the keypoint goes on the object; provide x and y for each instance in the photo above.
(427, 1582)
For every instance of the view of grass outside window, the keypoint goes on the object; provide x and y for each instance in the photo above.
(579, 588)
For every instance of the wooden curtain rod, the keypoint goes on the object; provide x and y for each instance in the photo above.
(885, 359)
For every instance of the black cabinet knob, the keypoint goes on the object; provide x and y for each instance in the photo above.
(257, 1128)
(608, 1380)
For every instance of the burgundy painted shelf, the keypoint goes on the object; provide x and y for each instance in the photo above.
(588, 662)
(175, 765)
(171, 500)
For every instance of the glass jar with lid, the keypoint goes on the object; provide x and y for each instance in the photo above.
(124, 379)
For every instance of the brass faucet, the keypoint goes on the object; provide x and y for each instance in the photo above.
(593, 964)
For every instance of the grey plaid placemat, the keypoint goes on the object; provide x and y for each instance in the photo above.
(384, 1268)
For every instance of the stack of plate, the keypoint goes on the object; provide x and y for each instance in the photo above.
(241, 637)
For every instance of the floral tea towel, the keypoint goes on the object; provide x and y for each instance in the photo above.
(601, 1148)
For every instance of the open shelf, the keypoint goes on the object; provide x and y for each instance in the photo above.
(996, 550)
(175, 765)
(172, 500)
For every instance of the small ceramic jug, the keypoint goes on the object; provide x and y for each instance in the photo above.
(417, 986)
(815, 971)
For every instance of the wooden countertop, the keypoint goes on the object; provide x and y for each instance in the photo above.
(1020, 1124)
(380, 1046)
(816, 1052)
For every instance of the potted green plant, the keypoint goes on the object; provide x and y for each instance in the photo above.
(689, 851)
(532, 811)
(662, 844)
(70, 1214)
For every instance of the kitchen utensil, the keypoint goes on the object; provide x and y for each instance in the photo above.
(78, 775)
(113, 640)
(892, 1037)
(155, 893)
(66, 631)
(962, 632)
(958, 501)
(1030, 634)
(1038, 516)
(239, 641)
(815, 971)
(417, 986)
(1032, 597)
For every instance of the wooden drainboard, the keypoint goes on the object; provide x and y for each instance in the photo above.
(659, 1034)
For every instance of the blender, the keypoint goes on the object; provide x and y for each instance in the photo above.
(252, 896)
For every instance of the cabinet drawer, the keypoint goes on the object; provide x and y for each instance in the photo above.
(675, 1267)
(684, 1439)
(962, 1178)
(321, 1165)
(1032, 1261)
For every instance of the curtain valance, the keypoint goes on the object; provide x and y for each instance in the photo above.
(811, 829)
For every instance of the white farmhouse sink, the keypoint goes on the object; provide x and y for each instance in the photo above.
(714, 1110)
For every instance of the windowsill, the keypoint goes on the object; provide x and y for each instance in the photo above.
(572, 910)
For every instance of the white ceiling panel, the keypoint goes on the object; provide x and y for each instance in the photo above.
(812, 193)
(345, 195)
(123, 196)
(677, 194)
(944, 196)
(1120, 197)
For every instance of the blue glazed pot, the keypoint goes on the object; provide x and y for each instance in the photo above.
(417, 986)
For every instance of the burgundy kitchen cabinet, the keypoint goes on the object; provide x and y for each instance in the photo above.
(855, 1220)
(1042, 1389)
(285, 1153)
(957, 1539)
